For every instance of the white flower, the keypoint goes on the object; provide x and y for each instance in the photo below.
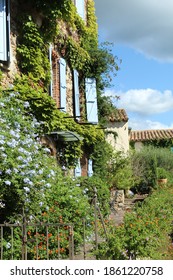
(27, 189)
(8, 245)
(4, 155)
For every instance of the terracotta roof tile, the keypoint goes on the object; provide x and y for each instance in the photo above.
(119, 116)
(144, 135)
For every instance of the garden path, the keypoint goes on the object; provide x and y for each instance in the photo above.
(117, 217)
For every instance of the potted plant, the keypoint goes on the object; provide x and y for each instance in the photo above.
(161, 176)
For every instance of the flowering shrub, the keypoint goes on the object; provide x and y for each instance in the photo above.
(24, 176)
(31, 183)
(145, 232)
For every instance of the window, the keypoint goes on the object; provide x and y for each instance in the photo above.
(80, 6)
(91, 100)
(76, 94)
(62, 84)
(4, 31)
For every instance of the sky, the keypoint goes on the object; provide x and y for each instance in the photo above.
(142, 35)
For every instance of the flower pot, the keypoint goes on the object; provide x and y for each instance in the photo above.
(162, 181)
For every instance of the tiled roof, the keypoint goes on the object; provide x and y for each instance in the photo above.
(119, 116)
(144, 135)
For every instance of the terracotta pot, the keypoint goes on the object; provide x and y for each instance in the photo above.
(162, 181)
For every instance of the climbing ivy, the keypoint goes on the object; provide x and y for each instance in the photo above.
(44, 109)
(59, 22)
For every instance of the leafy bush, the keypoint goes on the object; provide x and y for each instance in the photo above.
(145, 164)
(145, 233)
(95, 186)
(161, 173)
(24, 175)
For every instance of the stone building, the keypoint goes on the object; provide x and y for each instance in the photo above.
(117, 131)
(81, 105)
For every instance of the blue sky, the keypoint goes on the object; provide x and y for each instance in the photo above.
(142, 33)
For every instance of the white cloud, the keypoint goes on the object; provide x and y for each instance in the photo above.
(144, 102)
(145, 25)
(141, 124)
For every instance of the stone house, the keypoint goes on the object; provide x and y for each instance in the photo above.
(64, 82)
(117, 131)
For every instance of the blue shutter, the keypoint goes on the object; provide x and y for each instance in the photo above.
(51, 74)
(90, 167)
(3, 31)
(76, 94)
(77, 171)
(63, 84)
(91, 100)
(80, 6)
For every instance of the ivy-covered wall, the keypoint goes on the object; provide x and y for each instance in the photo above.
(34, 25)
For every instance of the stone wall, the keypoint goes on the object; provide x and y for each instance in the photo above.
(10, 71)
(117, 199)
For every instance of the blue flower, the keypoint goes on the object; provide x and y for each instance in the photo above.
(27, 189)
(8, 183)
(8, 171)
(26, 104)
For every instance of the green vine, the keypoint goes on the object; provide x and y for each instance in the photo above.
(44, 109)
(60, 23)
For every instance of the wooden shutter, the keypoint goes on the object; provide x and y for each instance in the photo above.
(90, 167)
(3, 31)
(80, 6)
(91, 100)
(77, 171)
(63, 84)
(76, 94)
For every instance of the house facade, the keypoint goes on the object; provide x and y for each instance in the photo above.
(117, 131)
(74, 93)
